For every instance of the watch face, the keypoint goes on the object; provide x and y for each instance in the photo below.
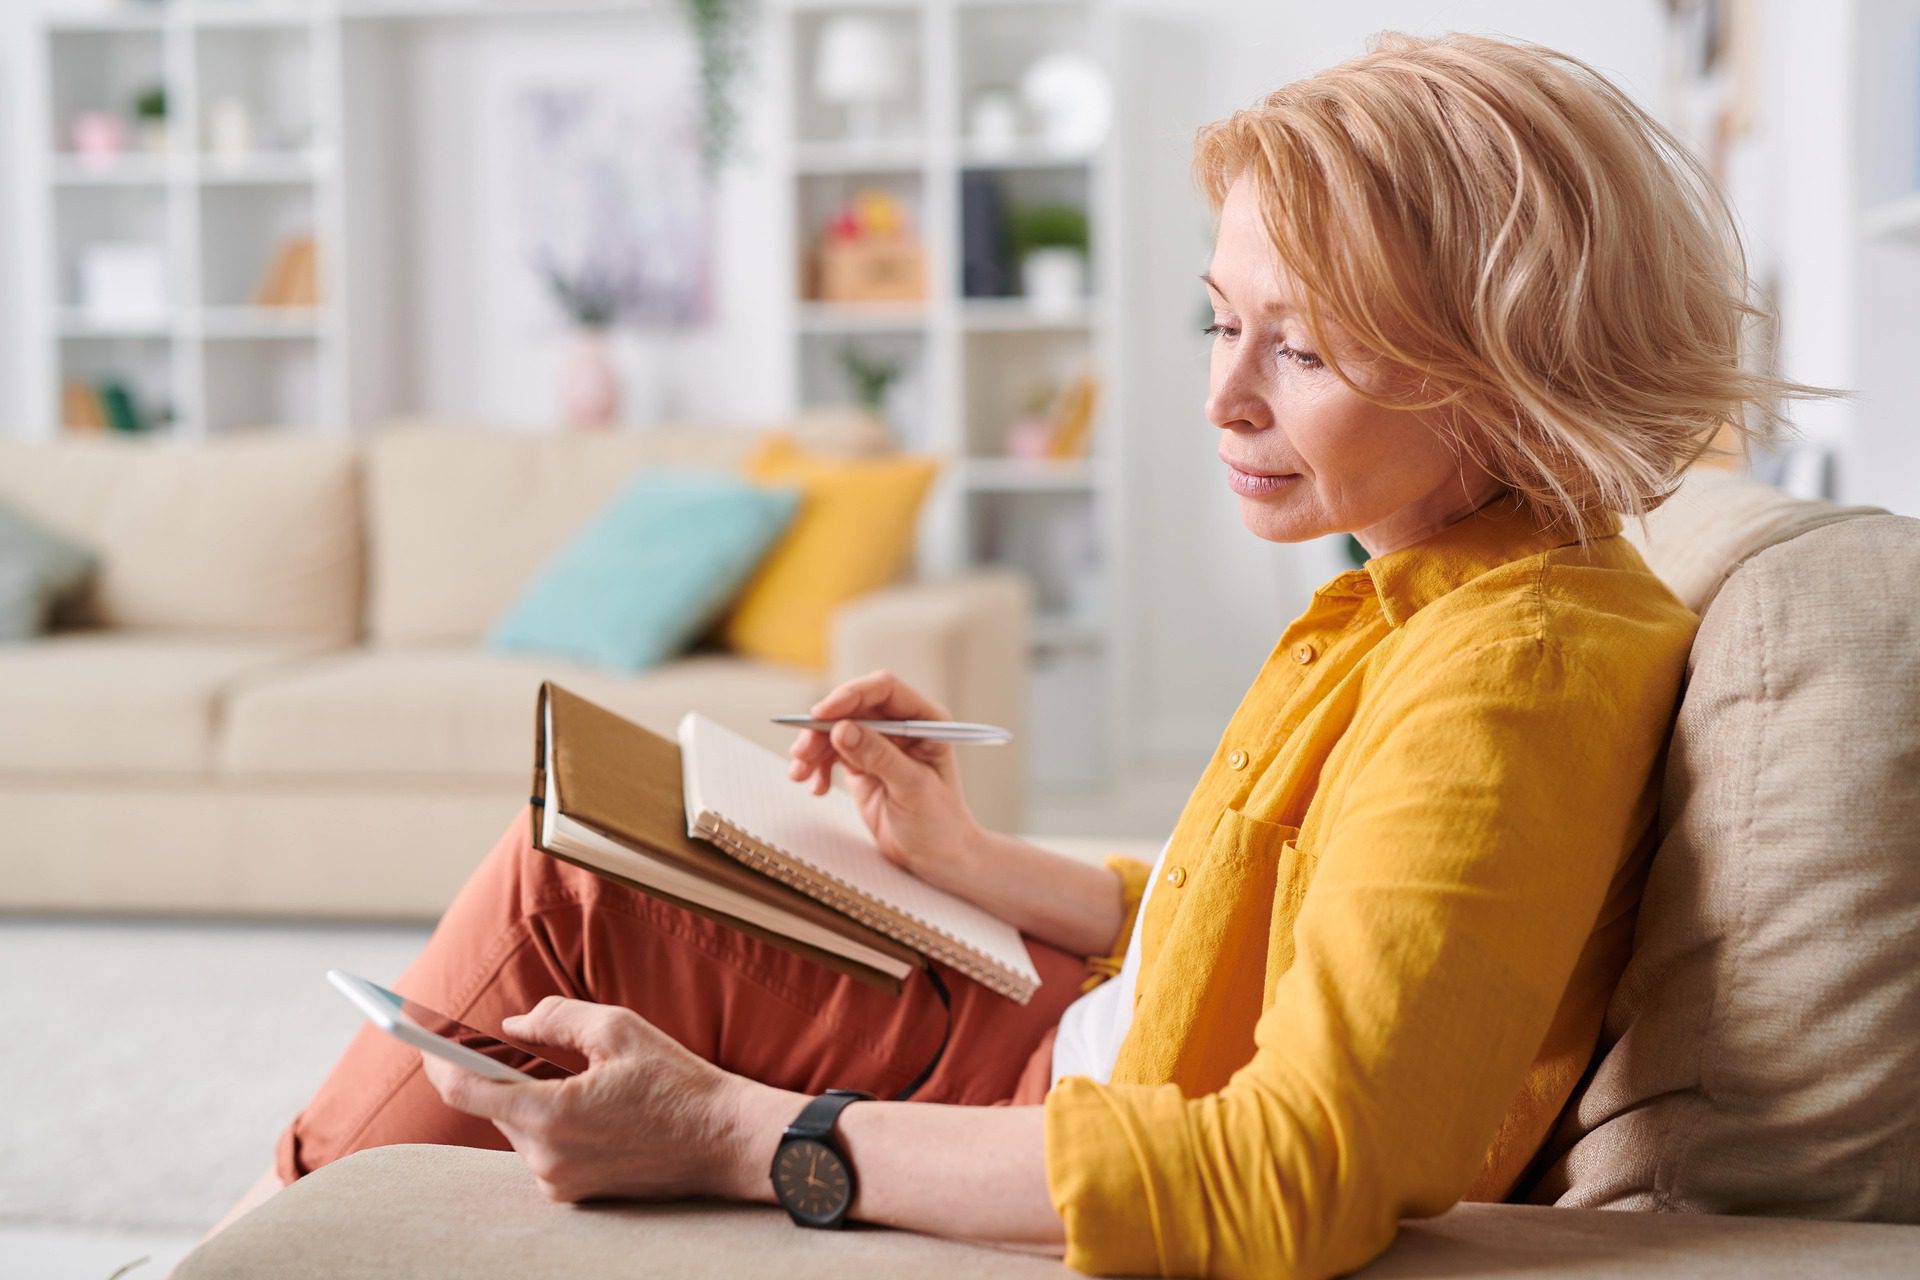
(812, 1181)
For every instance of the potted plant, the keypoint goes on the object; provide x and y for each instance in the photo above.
(1050, 243)
(150, 110)
(871, 378)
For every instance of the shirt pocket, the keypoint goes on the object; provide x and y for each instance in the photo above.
(1211, 910)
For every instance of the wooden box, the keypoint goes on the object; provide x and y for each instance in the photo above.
(870, 270)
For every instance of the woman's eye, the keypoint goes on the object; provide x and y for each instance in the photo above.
(1215, 330)
(1305, 359)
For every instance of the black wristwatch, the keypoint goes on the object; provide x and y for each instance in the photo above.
(811, 1175)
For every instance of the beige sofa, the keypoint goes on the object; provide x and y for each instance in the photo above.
(1760, 1066)
(275, 699)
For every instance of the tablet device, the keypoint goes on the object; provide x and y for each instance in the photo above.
(413, 1023)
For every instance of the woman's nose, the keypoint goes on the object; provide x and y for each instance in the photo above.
(1234, 399)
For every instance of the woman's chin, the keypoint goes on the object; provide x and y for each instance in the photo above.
(1277, 520)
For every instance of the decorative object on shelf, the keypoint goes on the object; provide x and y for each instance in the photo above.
(1071, 99)
(868, 253)
(121, 409)
(1051, 243)
(840, 432)
(723, 31)
(986, 256)
(1058, 420)
(122, 282)
(150, 109)
(871, 378)
(230, 130)
(858, 66)
(589, 386)
(293, 278)
(98, 136)
(993, 122)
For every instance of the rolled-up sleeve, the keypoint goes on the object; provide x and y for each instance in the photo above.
(1486, 807)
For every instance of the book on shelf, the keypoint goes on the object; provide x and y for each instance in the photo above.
(293, 279)
(100, 406)
(1072, 418)
(710, 821)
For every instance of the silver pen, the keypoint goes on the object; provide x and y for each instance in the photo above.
(955, 731)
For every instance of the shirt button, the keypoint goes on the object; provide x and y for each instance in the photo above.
(1304, 654)
(1177, 877)
(1237, 759)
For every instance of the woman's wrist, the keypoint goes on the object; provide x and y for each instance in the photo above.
(752, 1120)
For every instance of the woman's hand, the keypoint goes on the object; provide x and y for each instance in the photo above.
(908, 789)
(648, 1119)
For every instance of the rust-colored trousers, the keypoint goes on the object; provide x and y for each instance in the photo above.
(526, 926)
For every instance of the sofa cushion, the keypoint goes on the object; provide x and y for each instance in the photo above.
(38, 568)
(248, 537)
(459, 520)
(456, 1211)
(1762, 1053)
(1715, 521)
(416, 713)
(649, 574)
(90, 703)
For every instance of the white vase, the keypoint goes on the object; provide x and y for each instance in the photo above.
(1054, 280)
(589, 387)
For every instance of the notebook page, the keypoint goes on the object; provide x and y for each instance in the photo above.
(746, 785)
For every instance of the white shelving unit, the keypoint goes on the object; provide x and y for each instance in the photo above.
(972, 360)
(211, 360)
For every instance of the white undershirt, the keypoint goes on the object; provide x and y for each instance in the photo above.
(1093, 1026)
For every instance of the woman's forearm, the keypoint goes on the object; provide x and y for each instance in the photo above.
(969, 1173)
(1064, 902)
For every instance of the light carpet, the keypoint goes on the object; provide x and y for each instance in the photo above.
(148, 1067)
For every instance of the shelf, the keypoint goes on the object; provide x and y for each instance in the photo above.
(1895, 219)
(256, 15)
(366, 9)
(1001, 314)
(1027, 475)
(861, 317)
(105, 21)
(1024, 155)
(889, 155)
(260, 322)
(136, 170)
(261, 167)
(78, 324)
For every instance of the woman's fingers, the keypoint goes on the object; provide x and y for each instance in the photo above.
(878, 695)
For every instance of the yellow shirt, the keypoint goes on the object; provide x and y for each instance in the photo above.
(1391, 913)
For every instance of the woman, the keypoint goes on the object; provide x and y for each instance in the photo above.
(1469, 308)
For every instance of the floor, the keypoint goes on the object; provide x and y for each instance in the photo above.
(119, 1145)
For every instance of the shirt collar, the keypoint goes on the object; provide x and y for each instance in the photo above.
(1506, 529)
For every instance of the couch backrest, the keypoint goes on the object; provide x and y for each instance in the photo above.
(459, 519)
(248, 536)
(1762, 1053)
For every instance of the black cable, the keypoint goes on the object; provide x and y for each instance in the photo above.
(946, 1002)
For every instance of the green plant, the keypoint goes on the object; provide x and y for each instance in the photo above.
(723, 31)
(152, 103)
(871, 377)
(1048, 226)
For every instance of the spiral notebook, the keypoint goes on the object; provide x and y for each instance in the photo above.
(737, 796)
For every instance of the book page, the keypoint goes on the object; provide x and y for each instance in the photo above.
(746, 786)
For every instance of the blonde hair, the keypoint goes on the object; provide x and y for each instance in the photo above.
(1546, 262)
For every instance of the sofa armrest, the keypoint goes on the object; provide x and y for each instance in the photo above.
(963, 641)
(456, 1211)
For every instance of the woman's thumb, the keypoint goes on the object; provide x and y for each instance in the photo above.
(874, 754)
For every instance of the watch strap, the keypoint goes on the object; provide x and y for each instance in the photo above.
(817, 1118)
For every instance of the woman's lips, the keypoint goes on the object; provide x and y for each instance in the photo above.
(1253, 484)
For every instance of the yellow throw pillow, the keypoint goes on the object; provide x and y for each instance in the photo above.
(854, 533)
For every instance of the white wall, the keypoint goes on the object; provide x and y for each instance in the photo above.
(13, 51)
(1210, 598)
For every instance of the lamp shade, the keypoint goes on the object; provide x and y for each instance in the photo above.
(857, 61)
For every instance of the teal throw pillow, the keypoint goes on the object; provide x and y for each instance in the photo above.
(38, 569)
(651, 573)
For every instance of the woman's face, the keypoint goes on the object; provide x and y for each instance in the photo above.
(1308, 455)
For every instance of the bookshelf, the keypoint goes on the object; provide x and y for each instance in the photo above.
(977, 361)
